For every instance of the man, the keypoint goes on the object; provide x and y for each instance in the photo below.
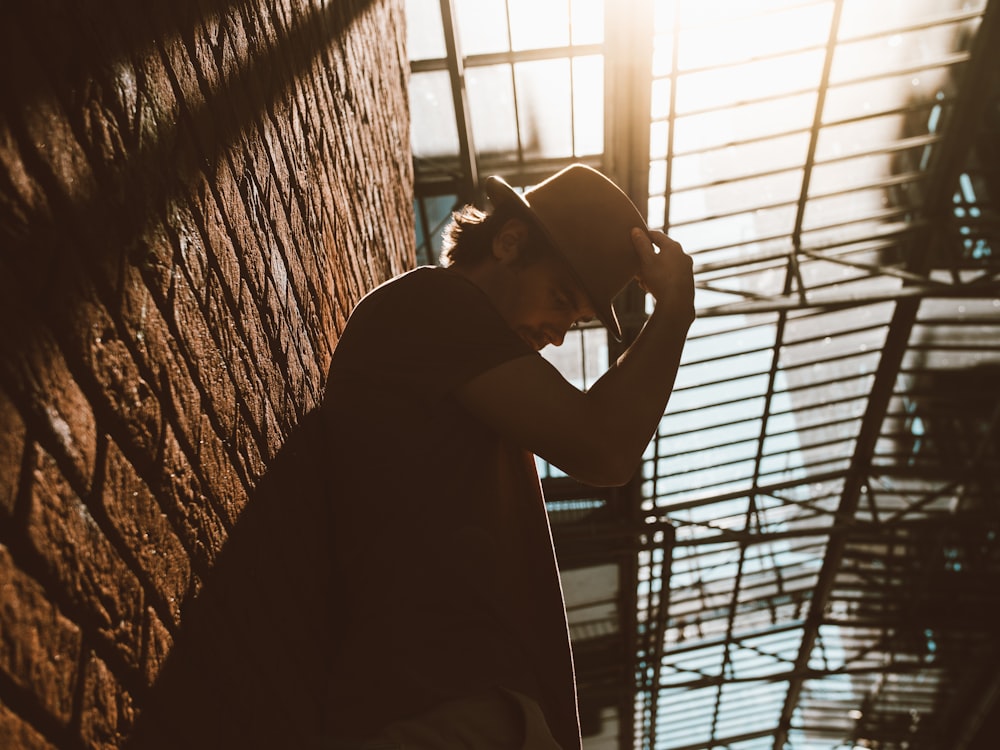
(454, 629)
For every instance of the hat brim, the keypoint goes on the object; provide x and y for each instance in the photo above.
(502, 194)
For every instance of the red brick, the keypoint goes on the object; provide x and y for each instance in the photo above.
(241, 204)
(12, 436)
(43, 386)
(145, 530)
(220, 474)
(227, 328)
(78, 555)
(158, 352)
(202, 354)
(273, 433)
(101, 132)
(153, 257)
(280, 133)
(39, 647)
(188, 250)
(129, 397)
(203, 55)
(258, 344)
(229, 190)
(26, 204)
(157, 643)
(184, 498)
(179, 66)
(218, 242)
(159, 106)
(17, 734)
(248, 452)
(58, 149)
(106, 712)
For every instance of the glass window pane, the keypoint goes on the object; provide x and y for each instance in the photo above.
(885, 95)
(538, 24)
(738, 36)
(737, 229)
(663, 55)
(588, 21)
(866, 17)
(848, 174)
(438, 211)
(739, 195)
(657, 177)
(543, 108)
(588, 105)
(755, 80)
(699, 12)
(432, 115)
(887, 54)
(741, 160)
(660, 106)
(865, 135)
(482, 26)
(424, 34)
(732, 452)
(658, 132)
(583, 356)
(491, 104)
(861, 227)
(701, 131)
(706, 439)
(768, 279)
(822, 212)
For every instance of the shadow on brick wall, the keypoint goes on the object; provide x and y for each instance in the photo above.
(247, 669)
(186, 190)
(150, 92)
(132, 146)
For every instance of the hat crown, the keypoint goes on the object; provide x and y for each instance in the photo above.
(588, 220)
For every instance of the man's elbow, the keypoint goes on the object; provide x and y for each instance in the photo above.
(605, 469)
(616, 477)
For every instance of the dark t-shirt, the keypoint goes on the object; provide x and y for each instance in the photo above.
(448, 580)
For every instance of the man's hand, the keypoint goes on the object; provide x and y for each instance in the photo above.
(666, 273)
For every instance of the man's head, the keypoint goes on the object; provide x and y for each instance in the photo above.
(577, 224)
(468, 238)
(530, 284)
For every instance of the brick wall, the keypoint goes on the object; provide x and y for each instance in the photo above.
(193, 195)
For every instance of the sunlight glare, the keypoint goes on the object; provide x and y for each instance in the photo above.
(538, 24)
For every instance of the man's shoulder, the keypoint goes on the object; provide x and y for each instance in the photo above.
(424, 292)
(424, 279)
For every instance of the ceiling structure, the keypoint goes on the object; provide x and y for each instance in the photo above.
(809, 556)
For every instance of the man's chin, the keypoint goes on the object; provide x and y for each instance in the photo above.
(535, 343)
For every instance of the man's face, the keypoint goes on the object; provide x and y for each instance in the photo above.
(545, 302)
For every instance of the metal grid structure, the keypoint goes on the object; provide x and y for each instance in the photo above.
(809, 558)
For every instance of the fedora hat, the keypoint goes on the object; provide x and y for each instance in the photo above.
(588, 220)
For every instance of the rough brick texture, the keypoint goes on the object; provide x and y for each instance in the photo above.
(193, 196)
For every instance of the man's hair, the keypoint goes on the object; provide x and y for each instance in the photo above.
(467, 240)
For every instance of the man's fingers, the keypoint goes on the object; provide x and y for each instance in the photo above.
(642, 242)
(651, 245)
(664, 242)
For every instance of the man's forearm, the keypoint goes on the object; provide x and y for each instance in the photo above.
(632, 395)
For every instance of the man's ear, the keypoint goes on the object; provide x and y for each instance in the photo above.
(508, 241)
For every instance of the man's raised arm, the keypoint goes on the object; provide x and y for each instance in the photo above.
(598, 437)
